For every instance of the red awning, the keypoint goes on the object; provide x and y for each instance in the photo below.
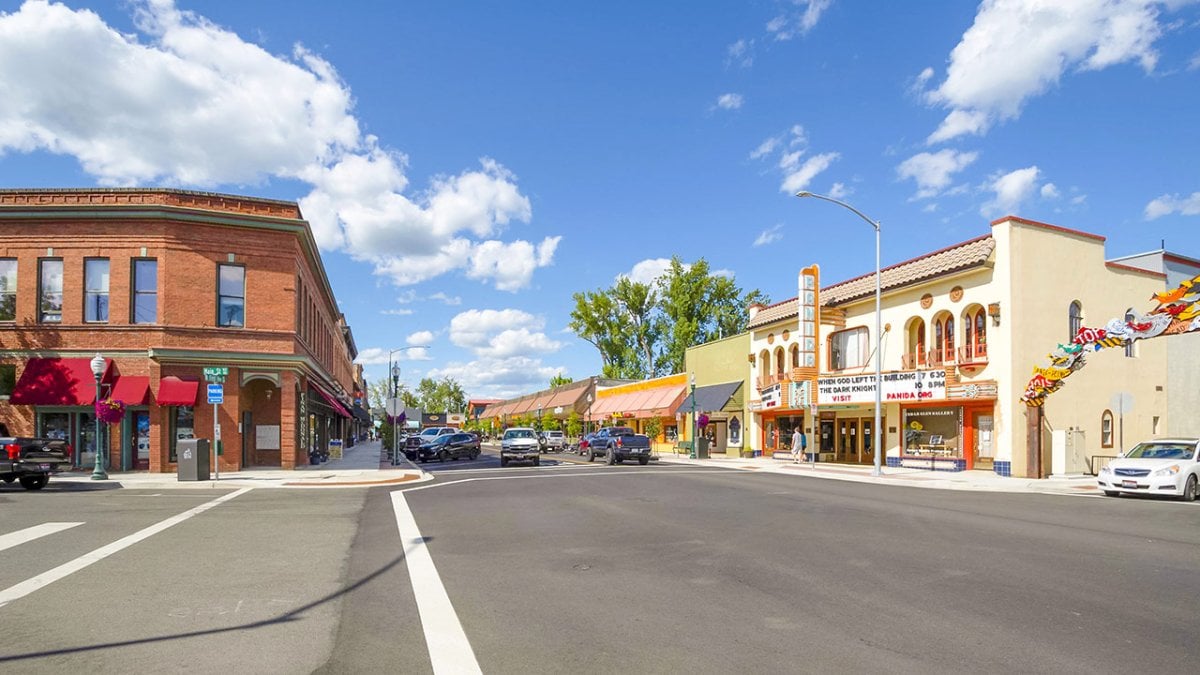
(174, 391)
(55, 381)
(131, 389)
(332, 402)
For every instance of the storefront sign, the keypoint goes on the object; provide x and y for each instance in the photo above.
(912, 385)
(771, 396)
(798, 394)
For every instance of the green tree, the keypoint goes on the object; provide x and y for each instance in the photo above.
(653, 428)
(698, 307)
(643, 330)
(559, 380)
(640, 302)
(379, 391)
(574, 425)
(441, 396)
(599, 319)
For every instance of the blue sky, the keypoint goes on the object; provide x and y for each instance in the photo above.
(468, 166)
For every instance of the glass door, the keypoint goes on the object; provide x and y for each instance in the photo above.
(847, 441)
(141, 440)
(868, 443)
(984, 447)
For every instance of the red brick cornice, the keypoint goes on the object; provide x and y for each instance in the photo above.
(124, 197)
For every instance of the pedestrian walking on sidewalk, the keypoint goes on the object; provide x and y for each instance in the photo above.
(799, 445)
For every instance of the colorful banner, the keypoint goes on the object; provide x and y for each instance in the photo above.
(1178, 311)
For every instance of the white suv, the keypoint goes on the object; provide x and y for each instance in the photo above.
(555, 441)
(520, 444)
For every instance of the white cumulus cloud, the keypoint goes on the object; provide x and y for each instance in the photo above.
(797, 174)
(1011, 190)
(1169, 204)
(185, 102)
(729, 101)
(648, 271)
(421, 338)
(934, 171)
(797, 20)
(1019, 49)
(770, 235)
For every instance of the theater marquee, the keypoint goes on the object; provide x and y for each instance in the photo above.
(911, 385)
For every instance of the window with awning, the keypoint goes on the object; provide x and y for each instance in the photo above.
(56, 381)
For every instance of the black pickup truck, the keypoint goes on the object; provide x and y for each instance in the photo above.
(31, 460)
(615, 444)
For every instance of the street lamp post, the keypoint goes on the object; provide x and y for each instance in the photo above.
(695, 441)
(395, 413)
(589, 417)
(97, 364)
(876, 432)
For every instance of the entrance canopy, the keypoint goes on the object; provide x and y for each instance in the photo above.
(661, 401)
(55, 381)
(714, 397)
(131, 389)
(174, 391)
(332, 402)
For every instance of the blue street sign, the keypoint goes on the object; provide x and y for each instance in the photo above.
(216, 394)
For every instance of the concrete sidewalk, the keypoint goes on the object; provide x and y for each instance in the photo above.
(983, 481)
(366, 465)
(362, 465)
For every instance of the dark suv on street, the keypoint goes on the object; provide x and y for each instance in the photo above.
(449, 446)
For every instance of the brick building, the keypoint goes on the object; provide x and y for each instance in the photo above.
(163, 283)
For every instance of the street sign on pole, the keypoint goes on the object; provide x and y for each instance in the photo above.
(216, 393)
(395, 406)
(216, 373)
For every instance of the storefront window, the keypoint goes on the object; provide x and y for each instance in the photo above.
(933, 431)
(55, 425)
(183, 426)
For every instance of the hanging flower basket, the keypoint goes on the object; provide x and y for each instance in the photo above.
(110, 411)
(702, 420)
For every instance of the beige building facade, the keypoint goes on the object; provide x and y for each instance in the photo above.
(963, 329)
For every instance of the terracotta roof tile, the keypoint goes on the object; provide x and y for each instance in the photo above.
(954, 258)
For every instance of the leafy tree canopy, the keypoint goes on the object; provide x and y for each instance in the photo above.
(642, 330)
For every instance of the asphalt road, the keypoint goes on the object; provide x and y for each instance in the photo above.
(573, 567)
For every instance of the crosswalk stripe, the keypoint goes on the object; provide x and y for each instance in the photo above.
(30, 533)
(68, 568)
(449, 650)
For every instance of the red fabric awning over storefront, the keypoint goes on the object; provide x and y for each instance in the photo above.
(332, 402)
(174, 391)
(131, 389)
(54, 381)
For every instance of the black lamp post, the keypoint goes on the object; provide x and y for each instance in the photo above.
(395, 413)
(97, 364)
(695, 450)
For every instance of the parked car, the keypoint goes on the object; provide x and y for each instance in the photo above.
(449, 446)
(616, 444)
(413, 442)
(31, 460)
(520, 444)
(582, 446)
(555, 441)
(1169, 466)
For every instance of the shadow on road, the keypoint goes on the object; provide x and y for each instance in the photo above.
(281, 619)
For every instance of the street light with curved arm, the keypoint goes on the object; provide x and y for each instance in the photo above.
(876, 432)
(394, 369)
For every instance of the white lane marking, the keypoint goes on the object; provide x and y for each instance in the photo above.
(30, 533)
(68, 568)
(449, 649)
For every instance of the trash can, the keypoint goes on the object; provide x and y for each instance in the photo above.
(702, 448)
(192, 458)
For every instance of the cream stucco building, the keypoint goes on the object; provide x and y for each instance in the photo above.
(964, 327)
